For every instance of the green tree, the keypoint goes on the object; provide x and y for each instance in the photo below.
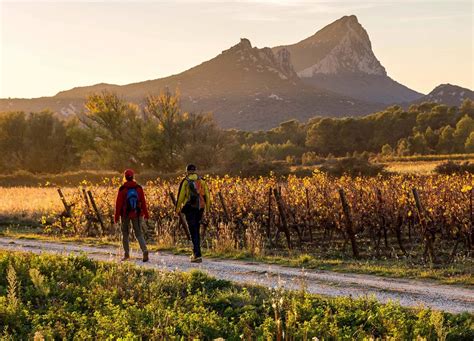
(115, 127)
(288, 131)
(438, 117)
(165, 138)
(13, 126)
(324, 137)
(387, 150)
(262, 151)
(446, 140)
(467, 108)
(84, 142)
(37, 142)
(469, 145)
(403, 148)
(204, 142)
(48, 147)
(431, 139)
(417, 144)
(464, 128)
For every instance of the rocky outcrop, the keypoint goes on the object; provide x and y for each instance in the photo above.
(340, 58)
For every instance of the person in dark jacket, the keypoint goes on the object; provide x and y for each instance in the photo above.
(131, 207)
(193, 201)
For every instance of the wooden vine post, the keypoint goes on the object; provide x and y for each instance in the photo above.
(284, 223)
(349, 224)
(182, 218)
(377, 236)
(425, 231)
(86, 200)
(471, 211)
(89, 217)
(97, 213)
(224, 208)
(382, 217)
(397, 227)
(269, 215)
(67, 208)
(308, 215)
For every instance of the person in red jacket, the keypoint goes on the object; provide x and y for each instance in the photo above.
(131, 206)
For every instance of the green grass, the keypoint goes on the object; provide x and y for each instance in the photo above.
(460, 272)
(54, 297)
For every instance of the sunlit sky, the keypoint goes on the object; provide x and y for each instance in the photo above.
(51, 46)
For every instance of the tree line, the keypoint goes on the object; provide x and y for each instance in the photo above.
(111, 133)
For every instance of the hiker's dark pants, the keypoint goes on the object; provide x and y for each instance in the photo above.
(193, 218)
(126, 232)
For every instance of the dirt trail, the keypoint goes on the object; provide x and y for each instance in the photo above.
(411, 293)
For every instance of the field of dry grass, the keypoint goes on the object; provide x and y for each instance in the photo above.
(30, 203)
(416, 167)
(412, 167)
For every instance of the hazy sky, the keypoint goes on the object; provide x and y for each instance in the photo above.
(56, 45)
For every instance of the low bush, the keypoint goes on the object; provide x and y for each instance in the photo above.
(262, 168)
(430, 157)
(353, 166)
(451, 167)
(311, 159)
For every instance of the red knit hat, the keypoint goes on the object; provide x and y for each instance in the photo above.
(128, 174)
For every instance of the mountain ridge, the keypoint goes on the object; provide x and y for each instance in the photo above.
(333, 73)
(245, 87)
(339, 57)
(448, 94)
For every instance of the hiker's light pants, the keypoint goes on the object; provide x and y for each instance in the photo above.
(138, 233)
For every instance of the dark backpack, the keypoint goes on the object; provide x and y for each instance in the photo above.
(194, 193)
(132, 200)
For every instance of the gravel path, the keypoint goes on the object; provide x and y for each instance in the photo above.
(410, 293)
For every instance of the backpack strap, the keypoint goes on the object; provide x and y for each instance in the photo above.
(136, 187)
(179, 192)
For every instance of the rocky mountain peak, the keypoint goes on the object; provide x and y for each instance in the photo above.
(349, 50)
(260, 60)
(283, 58)
(339, 57)
(446, 87)
(350, 18)
(245, 44)
(448, 94)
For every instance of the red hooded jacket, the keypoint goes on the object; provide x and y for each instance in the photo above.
(121, 202)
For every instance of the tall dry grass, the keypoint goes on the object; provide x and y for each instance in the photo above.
(30, 203)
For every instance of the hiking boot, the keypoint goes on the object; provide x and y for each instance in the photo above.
(195, 259)
(145, 256)
(125, 257)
